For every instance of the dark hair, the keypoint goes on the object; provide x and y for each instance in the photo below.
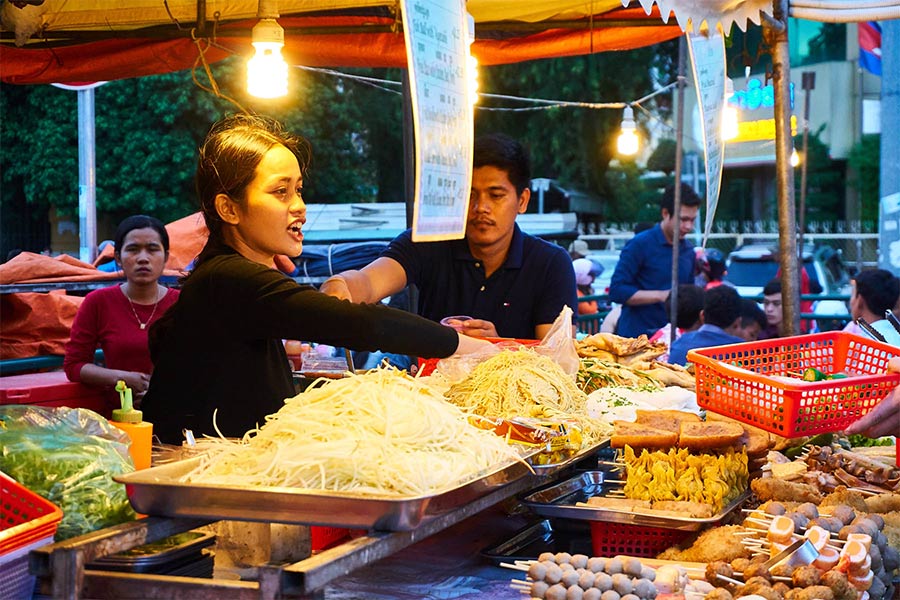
(690, 303)
(879, 288)
(139, 222)
(750, 312)
(227, 164)
(688, 198)
(501, 151)
(712, 263)
(773, 287)
(721, 306)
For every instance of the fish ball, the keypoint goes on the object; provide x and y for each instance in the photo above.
(579, 561)
(775, 508)
(555, 592)
(547, 556)
(809, 510)
(632, 566)
(566, 567)
(877, 519)
(643, 588)
(610, 595)
(586, 580)
(622, 583)
(563, 557)
(574, 593)
(554, 574)
(630, 597)
(614, 565)
(591, 594)
(570, 578)
(539, 589)
(596, 564)
(844, 513)
(537, 571)
(648, 573)
(800, 520)
(603, 582)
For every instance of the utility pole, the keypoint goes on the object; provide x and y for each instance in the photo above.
(775, 34)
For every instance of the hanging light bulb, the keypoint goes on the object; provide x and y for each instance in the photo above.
(267, 73)
(473, 79)
(729, 113)
(628, 139)
(795, 158)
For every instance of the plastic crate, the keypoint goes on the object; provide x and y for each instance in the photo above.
(27, 521)
(322, 537)
(612, 539)
(750, 382)
(427, 365)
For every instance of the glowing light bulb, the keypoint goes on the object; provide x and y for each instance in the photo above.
(795, 158)
(267, 73)
(473, 79)
(729, 113)
(628, 140)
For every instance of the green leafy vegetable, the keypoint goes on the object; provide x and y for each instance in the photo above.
(69, 457)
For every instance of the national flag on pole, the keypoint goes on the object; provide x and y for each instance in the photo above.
(870, 47)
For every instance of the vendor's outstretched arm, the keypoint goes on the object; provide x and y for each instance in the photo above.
(380, 279)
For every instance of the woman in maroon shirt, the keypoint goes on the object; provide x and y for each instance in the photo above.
(117, 319)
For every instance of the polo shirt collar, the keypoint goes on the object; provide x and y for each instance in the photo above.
(513, 257)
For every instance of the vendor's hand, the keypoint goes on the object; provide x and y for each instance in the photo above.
(337, 287)
(477, 328)
(882, 420)
(138, 382)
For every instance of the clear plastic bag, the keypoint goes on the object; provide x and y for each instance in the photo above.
(559, 343)
(69, 456)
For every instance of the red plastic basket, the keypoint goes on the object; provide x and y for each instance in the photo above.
(427, 365)
(322, 537)
(27, 521)
(750, 382)
(611, 539)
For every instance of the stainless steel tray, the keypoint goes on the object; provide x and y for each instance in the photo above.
(158, 491)
(559, 501)
(551, 468)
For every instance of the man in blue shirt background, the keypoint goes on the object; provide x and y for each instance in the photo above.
(721, 321)
(643, 275)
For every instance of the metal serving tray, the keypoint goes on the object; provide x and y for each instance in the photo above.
(559, 501)
(159, 491)
(529, 542)
(552, 468)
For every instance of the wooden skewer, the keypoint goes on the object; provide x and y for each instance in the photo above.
(512, 566)
(729, 579)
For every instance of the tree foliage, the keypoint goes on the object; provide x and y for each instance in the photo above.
(864, 161)
(824, 184)
(663, 157)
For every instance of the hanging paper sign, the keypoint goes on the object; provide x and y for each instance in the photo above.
(437, 51)
(708, 67)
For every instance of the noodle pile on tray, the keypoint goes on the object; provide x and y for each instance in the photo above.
(382, 432)
(523, 383)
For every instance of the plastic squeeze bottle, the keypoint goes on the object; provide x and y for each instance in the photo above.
(130, 420)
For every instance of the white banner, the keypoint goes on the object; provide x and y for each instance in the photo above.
(437, 51)
(708, 68)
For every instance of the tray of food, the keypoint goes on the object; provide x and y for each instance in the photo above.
(162, 491)
(592, 496)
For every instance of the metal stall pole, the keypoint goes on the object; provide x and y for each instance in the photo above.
(679, 143)
(776, 36)
(809, 84)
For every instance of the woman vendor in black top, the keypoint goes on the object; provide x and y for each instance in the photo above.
(218, 349)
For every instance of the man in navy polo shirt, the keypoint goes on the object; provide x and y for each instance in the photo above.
(511, 283)
(643, 275)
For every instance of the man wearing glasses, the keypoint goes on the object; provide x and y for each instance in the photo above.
(643, 275)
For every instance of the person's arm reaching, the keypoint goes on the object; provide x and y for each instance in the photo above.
(884, 419)
(381, 278)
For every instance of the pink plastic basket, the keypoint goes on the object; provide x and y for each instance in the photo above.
(751, 383)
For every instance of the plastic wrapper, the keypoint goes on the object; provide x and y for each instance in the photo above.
(69, 456)
(559, 344)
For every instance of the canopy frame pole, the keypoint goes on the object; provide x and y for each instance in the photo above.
(679, 148)
(776, 35)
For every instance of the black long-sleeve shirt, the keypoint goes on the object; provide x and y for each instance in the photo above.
(219, 347)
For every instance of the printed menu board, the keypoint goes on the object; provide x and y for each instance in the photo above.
(437, 50)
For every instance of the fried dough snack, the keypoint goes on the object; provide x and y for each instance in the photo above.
(772, 488)
(718, 543)
(883, 503)
(627, 350)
